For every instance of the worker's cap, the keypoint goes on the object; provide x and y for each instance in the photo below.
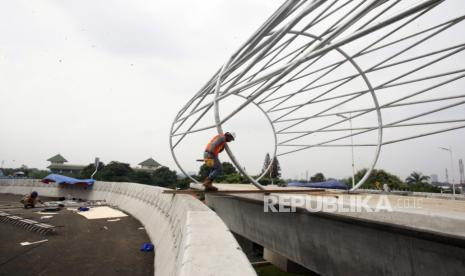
(34, 194)
(232, 135)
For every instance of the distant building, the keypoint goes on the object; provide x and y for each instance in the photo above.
(19, 174)
(434, 178)
(58, 166)
(148, 165)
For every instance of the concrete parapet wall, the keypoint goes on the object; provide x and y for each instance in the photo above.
(189, 238)
(420, 194)
(426, 241)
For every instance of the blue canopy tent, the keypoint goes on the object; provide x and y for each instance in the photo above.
(330, 184)
(61, 179)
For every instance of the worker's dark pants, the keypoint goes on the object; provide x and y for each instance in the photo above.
(27, 204)
(217, 167)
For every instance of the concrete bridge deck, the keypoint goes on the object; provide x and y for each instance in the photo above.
(417, 236)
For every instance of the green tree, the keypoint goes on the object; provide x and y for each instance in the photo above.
(266, 163)
(228, 168)
(423, 187)
(142, 177)
(417, 178)
(183, 183)
(88, 170)
(275, 171)
(164, 177)
(204, 171)
(381, 177)
(233, 178)
(115, 171)
(38, 174)
(318, 177)
(8, 171)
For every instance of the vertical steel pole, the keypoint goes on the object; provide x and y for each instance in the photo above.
(352, 148)
(452, 170)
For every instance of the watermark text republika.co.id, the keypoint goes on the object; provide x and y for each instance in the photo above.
(340, 204)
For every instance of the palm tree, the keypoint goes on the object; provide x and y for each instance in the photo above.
(417, 178)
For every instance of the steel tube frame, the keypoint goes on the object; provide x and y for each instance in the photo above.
(243, 76)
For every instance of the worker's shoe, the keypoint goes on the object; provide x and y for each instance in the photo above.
(208, 184)
(211, 188)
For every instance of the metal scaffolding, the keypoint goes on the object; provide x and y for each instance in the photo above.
(333, 69)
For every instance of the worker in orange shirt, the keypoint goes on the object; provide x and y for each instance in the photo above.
(214, 147)
(31, 200)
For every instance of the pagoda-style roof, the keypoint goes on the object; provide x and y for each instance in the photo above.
(66, 166)
(57, 159)
(149, 163)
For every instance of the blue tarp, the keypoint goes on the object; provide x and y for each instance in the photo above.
(61, 179)
(330, 184)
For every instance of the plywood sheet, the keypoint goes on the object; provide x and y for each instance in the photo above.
(103, 212)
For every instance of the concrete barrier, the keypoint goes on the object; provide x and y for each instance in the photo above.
(419, 194)
(424, 239)
(189, 238)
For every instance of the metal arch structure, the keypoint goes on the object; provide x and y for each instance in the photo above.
(389, 64)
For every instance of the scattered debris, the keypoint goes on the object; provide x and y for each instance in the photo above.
(29, 243)
(104, 227)
(28, 224)
(117, 219)
(62, 203)
(75, 202)
(83, 209)
(147, 247)
(96, 203)
(141, 228)
(46, 213)
(46, 217)
(51, 209)
(103, 212)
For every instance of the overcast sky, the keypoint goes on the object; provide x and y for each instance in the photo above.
(105, 78)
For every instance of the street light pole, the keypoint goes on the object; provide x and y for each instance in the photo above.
(451, 167)
(461, 174)
(461, 170)
(351, 145)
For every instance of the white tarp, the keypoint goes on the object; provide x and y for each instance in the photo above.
(103, 212)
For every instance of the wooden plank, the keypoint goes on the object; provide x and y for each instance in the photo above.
(288, 191)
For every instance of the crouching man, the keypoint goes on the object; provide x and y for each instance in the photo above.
(31, 200)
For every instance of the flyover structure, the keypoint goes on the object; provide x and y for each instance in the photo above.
(424, 239)
(335, 74)
(417, 236)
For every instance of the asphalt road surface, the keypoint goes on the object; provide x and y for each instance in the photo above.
(79, 247)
